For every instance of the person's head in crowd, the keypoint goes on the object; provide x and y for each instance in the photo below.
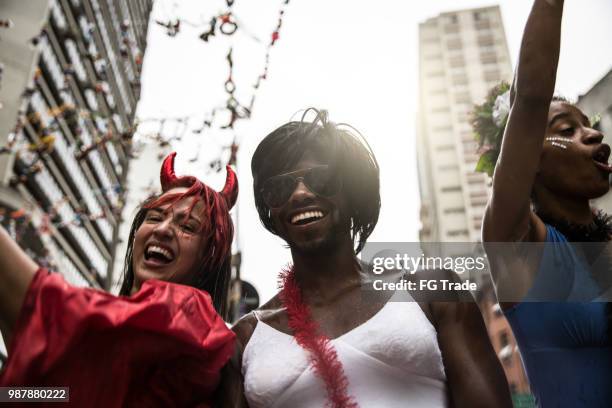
(316, 184)
(574, 162)
(183, 235)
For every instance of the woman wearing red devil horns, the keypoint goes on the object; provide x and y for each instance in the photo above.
(162, 344)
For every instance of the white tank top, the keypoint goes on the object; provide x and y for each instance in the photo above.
(391, 360)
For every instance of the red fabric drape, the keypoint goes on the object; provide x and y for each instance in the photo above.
(164, 346)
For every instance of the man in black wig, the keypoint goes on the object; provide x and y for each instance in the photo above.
(317, 342)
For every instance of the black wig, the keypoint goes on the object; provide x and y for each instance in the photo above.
(342, 147)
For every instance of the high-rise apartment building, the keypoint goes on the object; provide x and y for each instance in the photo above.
(69, 88)
(461, 56)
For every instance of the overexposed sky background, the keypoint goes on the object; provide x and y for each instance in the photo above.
(357, 59)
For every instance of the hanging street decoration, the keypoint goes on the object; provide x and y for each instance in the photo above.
(227, 24)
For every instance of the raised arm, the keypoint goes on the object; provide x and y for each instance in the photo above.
(508, 216)
(16, 272)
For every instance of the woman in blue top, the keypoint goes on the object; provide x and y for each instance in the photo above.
(551, 163)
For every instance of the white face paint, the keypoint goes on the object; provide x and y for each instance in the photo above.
(560, 142)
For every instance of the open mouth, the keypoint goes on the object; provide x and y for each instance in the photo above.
(601, 156)
(158, 255)
(306, 217)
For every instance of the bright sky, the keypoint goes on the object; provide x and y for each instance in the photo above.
(357, 59)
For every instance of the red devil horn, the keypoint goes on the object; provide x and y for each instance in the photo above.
(230, 191)
(167, 175)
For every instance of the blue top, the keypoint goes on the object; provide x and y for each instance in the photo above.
(564, 344)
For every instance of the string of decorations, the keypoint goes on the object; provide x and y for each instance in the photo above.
(17, 224)
(227, 24)
(70, 114)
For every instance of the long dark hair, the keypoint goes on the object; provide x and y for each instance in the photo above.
(214, 279)
(342, 147)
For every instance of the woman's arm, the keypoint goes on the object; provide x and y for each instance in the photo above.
(508, 217)
(16, 272)
(231, 391)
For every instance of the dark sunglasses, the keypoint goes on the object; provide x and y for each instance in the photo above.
(319, 180)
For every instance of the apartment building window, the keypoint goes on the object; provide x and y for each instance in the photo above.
(69, 270)
(58, 16)
(52, 64)
(489, 57)
(457, 233)
(482, 25)
(479, 193)
(463, 97)
(492, 76)
(460, 79)
(448, 167)
(457, 62)
(454, 210)
(486, 40)
(480, 201)
(117, 122)
(110, 100)
(75, 60)
(440, 109)
(435, 74)
(451, 28)
(90, 96)
(442, 148)
(454, 44)
(451, 189)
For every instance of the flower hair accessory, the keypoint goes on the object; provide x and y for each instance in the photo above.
(595, 121)
(489, 121)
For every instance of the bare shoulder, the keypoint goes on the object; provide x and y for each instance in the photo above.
(245, 327)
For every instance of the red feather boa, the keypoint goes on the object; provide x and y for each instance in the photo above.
(322, 354)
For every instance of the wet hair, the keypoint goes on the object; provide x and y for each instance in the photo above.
(342, 147)
(214, 270)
